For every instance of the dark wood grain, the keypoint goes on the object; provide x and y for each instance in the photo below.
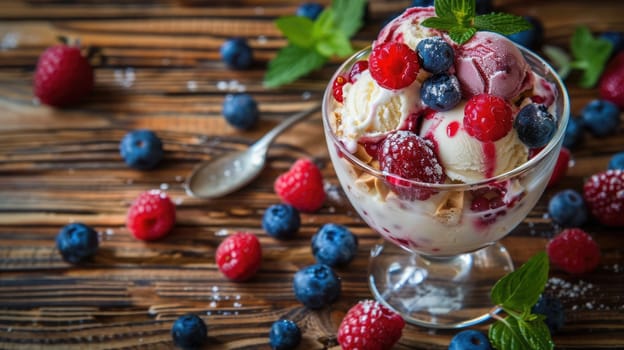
(163, 72)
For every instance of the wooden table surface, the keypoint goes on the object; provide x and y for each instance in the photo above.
(164, 73)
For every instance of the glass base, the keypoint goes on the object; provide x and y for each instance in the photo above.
(433, 292)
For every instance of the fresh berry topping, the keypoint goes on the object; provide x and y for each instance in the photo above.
(441, 92)
(189, 332)
(552, 309)
(63, 76)
(358, 67)
(284, 335)
(241, 111)
(601, 117)
(334, 245)
(281, 221)
(530, 38)
(236, 53)
(487, 118)
(567, 208)
(141, 149)
(310, 10)
(302, 186)
(470, 340)
(368, 325)
(393, 65)
(239, 256)
(612, 80)
(405, 155)
(77, 242)
(604, 196)
(535, 125)
(574, 251)
(337, 92)
(561, 167)
(573, 133)
(316, 286)
(617, 161)
(435, 55)
(151, 215)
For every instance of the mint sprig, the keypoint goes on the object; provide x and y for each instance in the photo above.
(312, 43)
(516, 293)
(589, 55)
(459, 19)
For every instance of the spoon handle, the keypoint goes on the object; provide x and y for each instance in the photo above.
(268, 138)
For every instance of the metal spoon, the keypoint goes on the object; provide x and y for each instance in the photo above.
(231, 171)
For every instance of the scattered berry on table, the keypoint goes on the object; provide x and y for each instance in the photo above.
(604, 196)
(63, 76)
(316, 286)
(530, 38)
(612, 80)
(284, 335)
(616, 39)
(470, 339)
(141, 149)
(487, 118)
(301, 186)
(368, 325)
(535, 125)
(189, 332)
(151, 215)
(334, 245)
(574, 251)
(310, 10)
(281, 221)
(573, 133)
(601, 117)
(441, 92)
(393, 65)
(617, 161)
(567, 208)
(561, 167)
(405, 155)
(239, 256)
(552, 308)
(236, 53)
(435, 55)
(241, 111)
(77, 242)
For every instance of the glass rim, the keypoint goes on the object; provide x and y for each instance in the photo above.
(526, 166)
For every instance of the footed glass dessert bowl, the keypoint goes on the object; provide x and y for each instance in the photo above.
(440, 254)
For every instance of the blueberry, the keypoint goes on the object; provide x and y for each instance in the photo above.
(422, 3)
(616, 39)
(141, 149)
(470, 340)
(573, 133)
(530, 38)
(77, 242)
(553, 310)
(334, 245)
(236, 53)
(435, 55)
(240, 110)
(484, 7)
(535, 125)
(284, 335)
(281, 221)
(567, 208)
(601, 117)
(316, 286)
(310, 10)
(617, 161)
(441, 92)
(189, 332)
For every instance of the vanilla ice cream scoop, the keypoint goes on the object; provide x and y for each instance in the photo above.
(406, 28)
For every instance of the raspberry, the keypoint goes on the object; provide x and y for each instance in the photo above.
(301, 186)
(358, 67)
(239, 256)
(604, 196)
(561, 167)
(488, 118)
(151, 216)
(612, 80)
(368, 325)
(339, 83)
(489, 202)
(405, 155)
(574, 251)
(393, 65)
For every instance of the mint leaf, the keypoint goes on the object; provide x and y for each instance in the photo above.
(336, 44)
(464, 11)
(519, 290)
(439, 23)
(444, 8)
(590, 55)
(502, 23)
(461, 35)
(516, 334)
(350, 14)
(324, 25)
(297, 30)
(291, 63)
(536, 333)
